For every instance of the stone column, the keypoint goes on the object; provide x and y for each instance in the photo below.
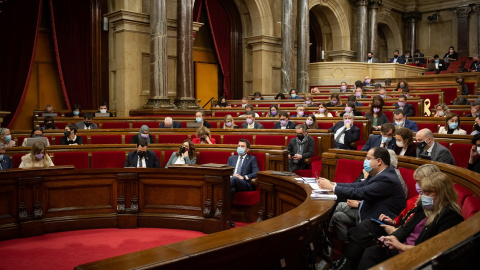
(362, 31)
(185, 96)
(372, 26)
(476, 8)
(412, 18)
(158, 56)
(287, 46)
(462, 32)
(303, 44)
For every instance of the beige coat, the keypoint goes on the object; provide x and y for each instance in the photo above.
(46, 161)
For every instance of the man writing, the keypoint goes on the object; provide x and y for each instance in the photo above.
(142, 157)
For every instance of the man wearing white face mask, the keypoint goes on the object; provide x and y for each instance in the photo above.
(345, 132)
(474, 161)
(402, 121)
(102, 108)
(428, 147)
(385, 140)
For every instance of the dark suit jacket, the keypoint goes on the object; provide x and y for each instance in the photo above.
(411, 150)
(308, 151)
(420, 58)
(175, 124)
(256, 125)
(444, 221)
(412, 125)
(296, 115)
(65, 141)
(249, 167)
(399, 60)
(290, 125)
(376, 141)
(6, 163)
(381, 194)
(356, 113)
(475, 66)
(408, 109)
(81, 125)
(134, 139)
(440, 154)
(151, 160)
(374, 60)
(441, 66)
(351, 135)
(329, 104)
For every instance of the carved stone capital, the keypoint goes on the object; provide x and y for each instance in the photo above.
(462, 12)
(186, 103)
(374, 3)
(476, 9)
(413, 16)
(158, 103)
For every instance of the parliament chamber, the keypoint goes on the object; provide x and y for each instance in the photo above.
(131, 66)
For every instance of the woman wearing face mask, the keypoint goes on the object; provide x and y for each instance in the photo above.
(402, 84)
(452, 125)
(405, 144)
(228, 122)
(311, 122)
(350, 107)
(36, 132)
(6, 137)
(406, 221)
(37, 158)
(451, 55)
(309, 100)
(48, 123)
(185, 155)
(76, 112)
(200, 118)
(144, 133)
(442, 212)
(293, 94)
(441, 110)
(203, 136)
(474, 161)
(322, 111)
(71, 137)
(222, 103)
(376, 116)
(257, 96)
(273, 111)
(335, 101)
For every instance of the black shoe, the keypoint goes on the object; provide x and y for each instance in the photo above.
(232, 225)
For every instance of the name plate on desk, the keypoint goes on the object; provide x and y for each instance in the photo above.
(214, 165)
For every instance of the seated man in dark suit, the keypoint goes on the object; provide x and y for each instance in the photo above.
(439, 64)
(418, 57)
(250, 122)
(5, 161)
(246, 169)
(284, 122)
(102, 108)
(428, 147)
(402, 121)
(345, 132)
(385, 140)
(300, 148)
(300, 111)
(87, 122)
(402, 104)
(169, 123)
(371, 59)
(397, 58)
(475, 66)
(474, 110)
(142, 157)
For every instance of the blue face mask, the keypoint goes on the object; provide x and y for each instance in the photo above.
(419, 190)
(427, 202)
(366, 165)
(293, 95)
(198, 119)
(386, 139)
(452, 125)
(240, 151)
(8, 138)
(76, 112)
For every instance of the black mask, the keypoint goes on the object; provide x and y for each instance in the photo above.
(203, 139)
(395, 56)
(141, 154)
(300, 137)
(87, 124)
(369, 57)
(182, 149)
(476, 61)
(223, 104)
(421, 145)
(67, 133)
(477, 127)
(49, 125)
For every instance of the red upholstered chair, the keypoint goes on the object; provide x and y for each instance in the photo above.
(49, 139)
(446, 144)
(218, 138)
(213, 124)
(78, 159)
(149, 124)
(432, 127)
(347, 170)
(116, 125)
(270, 140)
(179, 138)
(267, 125)
(260, 157)
(360, 145)
(108, 159)
(213, 157)
(389, 115)
(325, 125)
(128, 138)
(184, 124)
(264, 105)
(159, 156)
(467, 127)
(233, 139)
(17, 159)
(461, 153)
(223, 114)
(470, 207)
(463, 193)
(288, 105)
(61, 125)
(106, 139)
(407, 175)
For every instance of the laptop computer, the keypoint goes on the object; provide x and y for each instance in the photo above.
(31, 141)
(97, 114)
(430, 66)
(193, 125)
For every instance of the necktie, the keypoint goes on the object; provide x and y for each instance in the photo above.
(141, 162)
(383, 145)
(340, 134)
(239, 168)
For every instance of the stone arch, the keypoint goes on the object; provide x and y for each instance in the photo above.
(258, 13)
(333, 18)
(389, 26)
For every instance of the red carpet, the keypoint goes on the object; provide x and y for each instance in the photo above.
(66, 250)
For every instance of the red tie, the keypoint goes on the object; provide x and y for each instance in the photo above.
(383, 145)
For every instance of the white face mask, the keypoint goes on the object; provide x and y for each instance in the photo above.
(399, 123)
(103, 111)
(478, 150)
(399, 143)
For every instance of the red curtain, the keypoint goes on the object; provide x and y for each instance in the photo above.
(19, 24)
(220, 27)
(71, 24)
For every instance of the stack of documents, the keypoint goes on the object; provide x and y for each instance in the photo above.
(317, 192)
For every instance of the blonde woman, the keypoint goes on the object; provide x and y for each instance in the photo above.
(228, 122)
(441, 110)
(37, 158)
(322, 111)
